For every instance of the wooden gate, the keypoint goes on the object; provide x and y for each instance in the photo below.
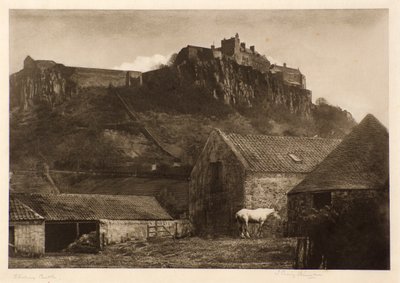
(159, 231)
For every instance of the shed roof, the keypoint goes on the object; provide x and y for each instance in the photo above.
(282, 154)
(63, 207)
(20, 212)
(361, 161)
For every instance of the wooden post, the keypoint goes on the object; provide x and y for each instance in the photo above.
(302, 253)
(77, 230)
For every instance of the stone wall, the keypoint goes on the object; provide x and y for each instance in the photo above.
(29, 237)
(256, 61)
(268, 190)
(299, 205)
(117, 231)
(212, 211)
(89, 77)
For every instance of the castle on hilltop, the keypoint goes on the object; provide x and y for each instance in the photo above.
(236, 50)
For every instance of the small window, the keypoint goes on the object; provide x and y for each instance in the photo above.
(295, 158)
(322, 199)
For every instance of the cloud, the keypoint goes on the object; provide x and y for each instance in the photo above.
(143, 63)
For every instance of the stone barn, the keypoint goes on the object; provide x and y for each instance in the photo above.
(248, 171)
(58, 220)
(343, 205)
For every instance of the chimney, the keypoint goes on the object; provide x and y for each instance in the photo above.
(284, 65)
(212, 47)
(243, 45)
(252, 49)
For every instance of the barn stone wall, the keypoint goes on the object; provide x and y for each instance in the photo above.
(118, 231)
(268, 190)
(212, 212)
(299, 205)
(29, 237)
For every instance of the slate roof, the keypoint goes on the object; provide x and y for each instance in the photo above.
(20, 212)
(260, 153)
(361, 161)
(62, 207)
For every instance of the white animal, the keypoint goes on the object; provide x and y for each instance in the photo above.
(259, 215)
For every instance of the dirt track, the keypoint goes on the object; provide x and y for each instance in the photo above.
(183, 253)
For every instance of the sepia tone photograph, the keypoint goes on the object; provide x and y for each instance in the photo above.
(199, 139)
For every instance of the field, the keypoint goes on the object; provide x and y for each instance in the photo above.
(271, 253)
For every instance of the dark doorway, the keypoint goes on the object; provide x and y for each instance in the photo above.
(59, 235)
(217, 210)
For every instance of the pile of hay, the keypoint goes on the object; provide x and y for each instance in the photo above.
(87, 243)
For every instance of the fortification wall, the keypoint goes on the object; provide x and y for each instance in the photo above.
(88, 77)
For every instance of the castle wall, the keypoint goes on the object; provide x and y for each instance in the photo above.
(256, 61)
(88, 77)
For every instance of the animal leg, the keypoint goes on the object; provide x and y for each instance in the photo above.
(247, 229)
(260, 228)
(241, 230)
(240, 226)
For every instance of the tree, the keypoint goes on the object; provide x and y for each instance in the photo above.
(321, 101)
(172, 59)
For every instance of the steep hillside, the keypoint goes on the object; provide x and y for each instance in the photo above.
(73, 119)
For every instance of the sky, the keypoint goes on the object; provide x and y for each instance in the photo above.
(342, 53)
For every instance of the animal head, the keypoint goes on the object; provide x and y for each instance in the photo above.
(276, 215)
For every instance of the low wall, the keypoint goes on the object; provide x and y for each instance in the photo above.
(118, 231)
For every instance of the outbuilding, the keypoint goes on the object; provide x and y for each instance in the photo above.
(340, 211)
(248, 171)
(25, 229)
(63, 218)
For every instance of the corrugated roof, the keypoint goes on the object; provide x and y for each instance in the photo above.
(20, 212)
(62, 207)
(361, 161)
(260, 153)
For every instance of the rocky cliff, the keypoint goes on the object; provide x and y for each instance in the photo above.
(44, 81)
(41, 81)
(244, 87)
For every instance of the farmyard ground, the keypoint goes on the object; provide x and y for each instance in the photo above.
(269, 253)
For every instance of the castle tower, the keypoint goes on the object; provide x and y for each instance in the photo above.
(231, 46)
